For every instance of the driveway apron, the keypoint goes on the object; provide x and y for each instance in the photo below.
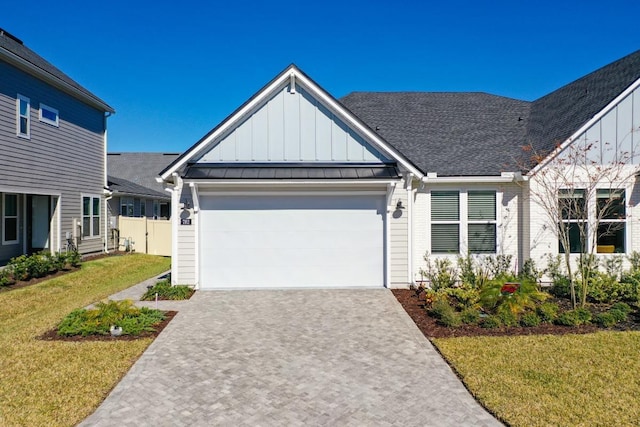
(291, 357)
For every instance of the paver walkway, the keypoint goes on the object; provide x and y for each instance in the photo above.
(291, 357)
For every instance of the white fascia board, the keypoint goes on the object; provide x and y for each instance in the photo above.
(468, 179)
(54, 81)
(319, 94)
(585, 127)
(282, 182)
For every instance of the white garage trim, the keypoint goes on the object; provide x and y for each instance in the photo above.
(365, 211)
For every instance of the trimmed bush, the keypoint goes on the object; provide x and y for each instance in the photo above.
(619, 315)
(450, 319)
(166, 291)
(584, 315)
(530, 319)
(548, 312)
(491, 322)
(605, 320)
(5, 277)
(577, 317)
(98, 321)
(621, 306)
(439, 307)
(605, 288)
(508, 318)
(470, 316)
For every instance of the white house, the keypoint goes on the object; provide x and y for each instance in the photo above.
(299, 189)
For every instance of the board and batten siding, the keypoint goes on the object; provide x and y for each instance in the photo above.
(292, 128)
(68, 159)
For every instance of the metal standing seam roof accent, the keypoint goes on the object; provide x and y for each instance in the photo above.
(248, 171)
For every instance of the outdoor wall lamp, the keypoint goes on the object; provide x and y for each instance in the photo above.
(399, 204)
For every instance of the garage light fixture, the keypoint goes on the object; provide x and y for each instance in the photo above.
(399, 204)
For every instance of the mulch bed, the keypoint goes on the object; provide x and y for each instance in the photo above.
(414, 305)
(52, 335)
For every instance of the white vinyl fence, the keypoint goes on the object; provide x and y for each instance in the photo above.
(146, 236)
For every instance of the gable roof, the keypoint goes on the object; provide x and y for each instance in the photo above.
(448, 133)
(558, 115)
(14, 51)
(139, 168)
(122, 186)
(283, 78)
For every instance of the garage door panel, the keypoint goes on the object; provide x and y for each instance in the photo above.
(291, 241)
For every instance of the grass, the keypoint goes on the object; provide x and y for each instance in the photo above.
(577, 380)
(167, 292)
(61, 383)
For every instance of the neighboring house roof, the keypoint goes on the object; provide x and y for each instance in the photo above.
(140, 169)
(124, 187)
(448, 133)
(13, 50)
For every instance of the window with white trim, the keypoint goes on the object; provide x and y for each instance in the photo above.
(572, 205)
(445, 222)
(23, 117)
(9, 218)
(126, 206)
(481, 227)
(90, 216)
(611, 209)
(49, 115)
(156, 209)
(143, 208)
(464, 220)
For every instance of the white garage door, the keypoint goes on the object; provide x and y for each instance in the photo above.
(291, 241)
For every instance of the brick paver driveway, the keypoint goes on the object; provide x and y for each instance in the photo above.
(291, 357)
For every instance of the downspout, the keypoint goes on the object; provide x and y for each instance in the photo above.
(387, 244)
(105, 180)
(106, 222)
(175, 218)
(196, 218)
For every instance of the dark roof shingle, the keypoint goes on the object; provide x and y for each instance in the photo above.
(139, 168)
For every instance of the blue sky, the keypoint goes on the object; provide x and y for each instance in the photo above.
(174, 69)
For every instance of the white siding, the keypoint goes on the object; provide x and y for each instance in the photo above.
(186, 244)
(292, 128)
(399, 238)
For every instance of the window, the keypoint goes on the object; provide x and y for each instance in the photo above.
(49, 115)
(611, 212)
(481, 228)
(90, 216)
(23, 118)
(9, 218)
(126, 206)
(572, 205)
(156, 209)
(445, 222)
(143, 208)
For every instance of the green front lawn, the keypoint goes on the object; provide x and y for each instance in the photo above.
(542, 380)
(60, 383)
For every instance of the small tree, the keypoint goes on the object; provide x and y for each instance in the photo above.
(581, 190)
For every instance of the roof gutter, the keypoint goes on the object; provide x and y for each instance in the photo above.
(19, 62)
(505, 177)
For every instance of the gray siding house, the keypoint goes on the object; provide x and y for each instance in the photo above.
(52, 156)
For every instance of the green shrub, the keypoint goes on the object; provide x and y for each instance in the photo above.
(463, 296)
(530, 271)
(584, 315)
(577, 317)
(499, 265)
(605, 288)
(74, 258)
(548, 312)
(605, 320)
(508, 318)
(165, 290)
(440, 273)
(619, 315)
(494, 299)
(98, 321)
(491, 322)
(19, 268)
(5, 277)
(470, 316)
(58, 261)
(450, 319)
(439, 307)
(38, 265)
(530, 319)
(622, 306)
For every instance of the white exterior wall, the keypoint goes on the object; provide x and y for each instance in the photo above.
(508, 222)
(399, 238)
(186, 241)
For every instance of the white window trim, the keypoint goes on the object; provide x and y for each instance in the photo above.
(17, 217)
(55, 122)
(18, 116)
(464, 221)
(91, 236)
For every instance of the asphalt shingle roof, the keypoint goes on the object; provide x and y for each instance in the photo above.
(139, 168)
(448, 133)
(481, 134)
(122, 186)
(15, 46)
